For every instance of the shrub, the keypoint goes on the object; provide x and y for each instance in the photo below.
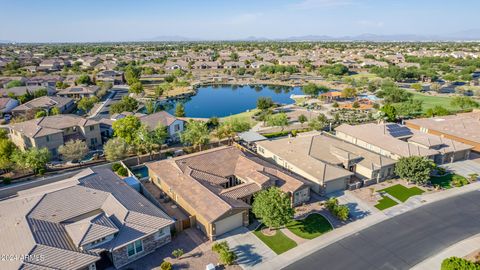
(342, 212)
(166, 265)
(116, 166)
(122, 171)
(7, 181)
(455, 263)
(226, 256)
(177, 253)
(458, 181)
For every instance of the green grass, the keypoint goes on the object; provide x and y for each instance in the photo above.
(312, 226)
(369, 76)
(245, 116)
(402, 193)
(279, 242)
(385, 203)
(448, 180)
(432, 101)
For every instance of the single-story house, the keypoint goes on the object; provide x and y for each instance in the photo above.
(64, 105)
(216, 186)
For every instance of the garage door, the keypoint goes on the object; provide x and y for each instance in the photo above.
(229, 223)
(335, 185)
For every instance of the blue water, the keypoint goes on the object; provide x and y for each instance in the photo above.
(140, 171)
(226, 100)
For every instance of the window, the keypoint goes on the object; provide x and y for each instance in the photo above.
(176, 127)
(48, 138)
(92, 128)
(160, 233)
(93, 141)
(134, 248)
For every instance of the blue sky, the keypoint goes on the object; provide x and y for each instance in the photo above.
(124, 20)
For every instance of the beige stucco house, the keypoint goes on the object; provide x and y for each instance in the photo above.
(53, 131)
(216, 186)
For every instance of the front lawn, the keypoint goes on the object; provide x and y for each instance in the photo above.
(279, 242)
(402, 193)
(448, 180)
(312, 226)
(385, 203)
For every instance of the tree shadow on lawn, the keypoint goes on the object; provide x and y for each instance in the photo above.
(246, 255)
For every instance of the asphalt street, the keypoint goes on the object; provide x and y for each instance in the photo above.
(402, 241)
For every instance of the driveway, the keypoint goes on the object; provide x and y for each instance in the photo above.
(250, 250)
(464, 167)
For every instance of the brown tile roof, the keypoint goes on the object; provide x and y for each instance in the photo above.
(50, 124)
(160, 118)
(464, 125)
(197, 179)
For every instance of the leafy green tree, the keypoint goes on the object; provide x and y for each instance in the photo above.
(390, 112)
(196, 134)
(86, 103)
(54, 111)
(349, 92)
(40, 114)
(264, 103)
(147, 141)
(115, 149)
(83, 79)
(127, 104)
(410, 108)
(180, 110)
(414, 169)
(311, 89)
(302, 119)
(150, 106)
(132, 74)
(7, 148)
(437, 111)
(335, 70)
(136, 88)
(32, 159)
(14, 83)
(73, 150)
(393, 94)
(278, 120)
(464, 102)
(273, 207)
(126, 128)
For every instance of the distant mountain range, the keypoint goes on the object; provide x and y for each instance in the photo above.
(468, 35)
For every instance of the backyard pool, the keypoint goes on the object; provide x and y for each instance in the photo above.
(140, 171)
(225, 100)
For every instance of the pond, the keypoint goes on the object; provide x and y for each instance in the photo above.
(225, 100)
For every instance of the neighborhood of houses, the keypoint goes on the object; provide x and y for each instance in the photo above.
(147, 187)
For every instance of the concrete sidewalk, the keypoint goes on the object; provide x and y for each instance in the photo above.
(460, 249)
(322, 241)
